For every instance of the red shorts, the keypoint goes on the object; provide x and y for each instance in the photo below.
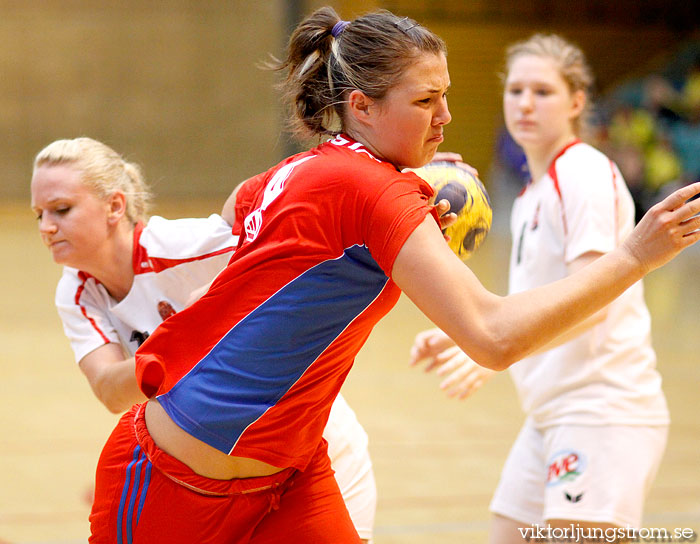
(143, 495)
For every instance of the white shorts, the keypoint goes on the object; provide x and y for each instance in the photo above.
(349, 454)
(580, 473)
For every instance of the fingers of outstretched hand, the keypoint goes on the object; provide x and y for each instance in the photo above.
(441, 359)
(680, 197)
(463, 382)
(476, 377)
(451, 359)
(667, 228)
(428, 343)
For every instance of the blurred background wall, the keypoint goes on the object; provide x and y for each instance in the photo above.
(175, 84)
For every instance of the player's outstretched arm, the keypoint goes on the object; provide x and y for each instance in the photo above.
(498, 331)
(112, 378)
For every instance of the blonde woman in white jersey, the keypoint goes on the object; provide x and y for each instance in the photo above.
(124, 274)
(597, 419)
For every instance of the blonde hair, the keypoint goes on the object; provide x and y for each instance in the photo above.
(570, 61)
(102, 169)
(325, 62)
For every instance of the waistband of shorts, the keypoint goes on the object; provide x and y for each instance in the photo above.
(180, 473)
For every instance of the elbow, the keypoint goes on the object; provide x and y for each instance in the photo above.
(111, 402)
(106, 394)
(495, 361)
(498, 364)
(114, 407)
(496, 352)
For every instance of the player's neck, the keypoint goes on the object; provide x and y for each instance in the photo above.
(114, 266)
(539, 158)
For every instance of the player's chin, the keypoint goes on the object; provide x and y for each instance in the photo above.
(60, 256)
(426, 156)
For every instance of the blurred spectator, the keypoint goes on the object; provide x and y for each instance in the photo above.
(690, 93)
(631, 126)
(662, 165)
(507, 177)
(651, 128)
(512, 158)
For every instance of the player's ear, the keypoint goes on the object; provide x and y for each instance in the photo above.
(116, 207)
(360, 107)
(578, 103)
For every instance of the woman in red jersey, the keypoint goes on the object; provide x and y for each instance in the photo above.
(229, 447)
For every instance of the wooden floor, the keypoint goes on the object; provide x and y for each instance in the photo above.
(437, 461)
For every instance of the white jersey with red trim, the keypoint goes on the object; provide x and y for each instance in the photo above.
(171, 258)
(607, 374)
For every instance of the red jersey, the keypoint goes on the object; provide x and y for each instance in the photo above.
(253, 367)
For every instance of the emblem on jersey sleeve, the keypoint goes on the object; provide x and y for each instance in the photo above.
(273, 189)
(165, 310)
(252, 225)
(565, 466)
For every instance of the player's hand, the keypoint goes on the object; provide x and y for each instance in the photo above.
(442, 207)
(463, 375)
(666, 229)
(446, 217)
(456, 158)
(429, 344)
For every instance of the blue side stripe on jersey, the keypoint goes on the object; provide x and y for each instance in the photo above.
(144, 490)
(266, 353)
(132, 497)
(125, 491)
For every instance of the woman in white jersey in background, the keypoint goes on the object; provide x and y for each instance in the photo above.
(597, 419)
(124, 274)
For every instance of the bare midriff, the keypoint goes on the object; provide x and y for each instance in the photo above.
(200, 457)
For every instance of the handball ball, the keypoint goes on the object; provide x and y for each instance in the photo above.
(468, 199)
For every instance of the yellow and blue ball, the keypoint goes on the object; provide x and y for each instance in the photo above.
(468, 199)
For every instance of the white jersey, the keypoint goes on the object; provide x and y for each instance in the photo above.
(171, 258)
(607, 374)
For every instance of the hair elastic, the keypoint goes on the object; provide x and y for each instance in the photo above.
(338, 28)
(406, 24)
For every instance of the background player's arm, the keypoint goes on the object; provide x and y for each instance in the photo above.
(112, 377)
